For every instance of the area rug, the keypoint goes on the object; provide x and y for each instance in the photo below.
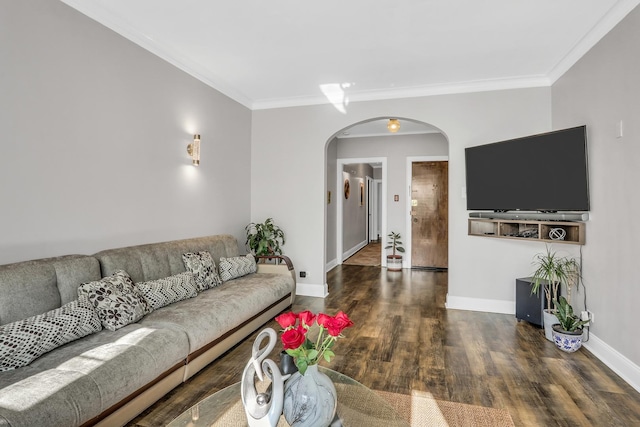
(421, 409)
(369, 255)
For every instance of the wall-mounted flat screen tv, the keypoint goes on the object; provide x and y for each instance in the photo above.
(545, 172)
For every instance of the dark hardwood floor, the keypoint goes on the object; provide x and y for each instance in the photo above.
(404, 339)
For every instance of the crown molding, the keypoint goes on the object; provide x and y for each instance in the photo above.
(606, 24)
(411, 92)
(111, 21)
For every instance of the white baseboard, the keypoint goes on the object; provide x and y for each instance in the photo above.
(354, 249)
(479, 304)
(618, 363)
(312, 290)
(331, 264)
(628, 371)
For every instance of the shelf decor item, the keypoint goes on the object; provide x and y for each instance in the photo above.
(309, 395)
(557, 234)
(394, 261)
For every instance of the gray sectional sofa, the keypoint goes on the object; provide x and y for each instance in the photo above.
(108, 377)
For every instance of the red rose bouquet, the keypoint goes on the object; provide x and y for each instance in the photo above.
(301, 343)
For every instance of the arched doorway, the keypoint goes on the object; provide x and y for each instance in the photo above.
(370, 142)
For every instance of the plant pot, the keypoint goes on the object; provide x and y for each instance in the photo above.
(548, 320)
(394, 262)
(565, 340)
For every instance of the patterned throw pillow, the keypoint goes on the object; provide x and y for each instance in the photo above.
(116, 300)
(232, 268)
(203, 268)
(161, 292)
(24, 341)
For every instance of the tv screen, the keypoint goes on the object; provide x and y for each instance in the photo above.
(545, 172)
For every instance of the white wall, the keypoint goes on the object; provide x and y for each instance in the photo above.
(94, 132)
(479, 268)
(600, 90)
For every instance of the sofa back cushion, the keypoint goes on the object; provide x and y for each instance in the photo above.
(158, 260)
(34, 287)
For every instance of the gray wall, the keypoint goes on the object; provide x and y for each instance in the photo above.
(477, 267)
(94, 132)
(600, 90)
(354, 218)
(330, 217)
(395, 148)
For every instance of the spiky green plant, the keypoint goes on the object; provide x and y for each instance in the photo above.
(569, 322)
(551, 271)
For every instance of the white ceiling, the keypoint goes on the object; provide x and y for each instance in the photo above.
(277, 53)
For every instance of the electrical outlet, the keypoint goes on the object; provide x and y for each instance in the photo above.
(587, 316)
(592, 317)
(303, 274)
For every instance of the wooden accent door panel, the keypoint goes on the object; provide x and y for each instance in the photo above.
(429, 214)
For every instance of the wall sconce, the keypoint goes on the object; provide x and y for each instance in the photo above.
(194, 150)
(393, 125)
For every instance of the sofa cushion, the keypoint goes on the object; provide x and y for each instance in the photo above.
(79, 380)
(34, 287)
(234, 267)
(203, 267)
(161, 292)
(216, 311)
(157, 260)
(116, 300)
(23, 341)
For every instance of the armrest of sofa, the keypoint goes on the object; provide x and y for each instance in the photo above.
(281, 265)
(279, 261)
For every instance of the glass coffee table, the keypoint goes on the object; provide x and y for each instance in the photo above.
(357, 406)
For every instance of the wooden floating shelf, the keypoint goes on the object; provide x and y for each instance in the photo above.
(528, 230)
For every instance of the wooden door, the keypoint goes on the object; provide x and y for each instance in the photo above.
(429, 214)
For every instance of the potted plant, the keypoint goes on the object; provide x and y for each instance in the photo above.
(264, 238)
(394, 261)
(567, 333)
(551, 271)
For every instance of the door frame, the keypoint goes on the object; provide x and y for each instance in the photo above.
(339, 199)
(376, 193)
(409, 173)
(368, 200)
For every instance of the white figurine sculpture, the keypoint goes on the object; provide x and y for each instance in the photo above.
(262, 409)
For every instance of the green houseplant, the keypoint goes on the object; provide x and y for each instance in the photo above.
(551, 271)
(567, 333)
(264, 238)
(394, 261)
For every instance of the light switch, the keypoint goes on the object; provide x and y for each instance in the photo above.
(620, 129)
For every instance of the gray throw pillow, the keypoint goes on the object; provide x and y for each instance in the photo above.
(24, 341)
(161, 292)
(232, 268)
(203, 268)
(116, 300)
